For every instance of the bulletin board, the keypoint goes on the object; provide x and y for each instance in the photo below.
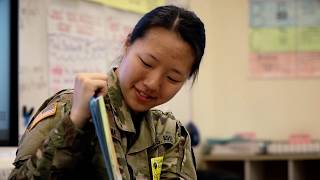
(285, 38)
(63, 37)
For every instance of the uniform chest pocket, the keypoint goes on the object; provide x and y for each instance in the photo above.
(162, 144)
(139, 163)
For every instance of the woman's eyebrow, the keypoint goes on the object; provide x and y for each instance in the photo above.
(153, 57)
(177, 71)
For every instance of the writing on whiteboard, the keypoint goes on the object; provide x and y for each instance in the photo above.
(83, 39)
(76, 43)
(28, 9)
(74, 48)
(34, 79)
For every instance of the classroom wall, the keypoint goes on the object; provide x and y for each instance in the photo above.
(74, 36)
(227, 100)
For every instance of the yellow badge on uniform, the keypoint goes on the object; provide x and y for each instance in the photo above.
(48, 111)
(156, 165)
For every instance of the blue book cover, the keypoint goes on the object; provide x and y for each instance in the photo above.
(101, 123)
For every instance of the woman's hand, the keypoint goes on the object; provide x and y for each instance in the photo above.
(85, 86)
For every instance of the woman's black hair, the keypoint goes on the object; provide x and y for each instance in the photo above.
(185, 23)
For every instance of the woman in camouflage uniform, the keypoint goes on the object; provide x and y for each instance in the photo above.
(163, 51)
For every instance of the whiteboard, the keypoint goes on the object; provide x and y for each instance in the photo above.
(63, 37)
(33, 77)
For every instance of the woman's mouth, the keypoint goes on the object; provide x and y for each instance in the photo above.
(142, 96)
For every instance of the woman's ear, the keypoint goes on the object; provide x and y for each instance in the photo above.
(127, 43)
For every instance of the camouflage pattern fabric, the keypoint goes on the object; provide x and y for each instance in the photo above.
(53, 148)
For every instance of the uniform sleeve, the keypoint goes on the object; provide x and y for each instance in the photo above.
(178, 162)
(47, 147)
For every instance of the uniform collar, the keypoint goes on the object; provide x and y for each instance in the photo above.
(146, 136)
(123, 118)
(121, 111)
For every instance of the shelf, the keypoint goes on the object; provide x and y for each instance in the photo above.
(233, 157)
(266, 167)
(265, 170)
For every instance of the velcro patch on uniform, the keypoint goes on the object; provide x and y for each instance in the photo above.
(47, 112)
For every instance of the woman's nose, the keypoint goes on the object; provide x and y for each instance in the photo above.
(153, 81)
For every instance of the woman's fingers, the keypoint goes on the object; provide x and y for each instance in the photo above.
(86, 85)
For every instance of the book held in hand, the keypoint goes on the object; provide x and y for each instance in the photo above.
(102, 127)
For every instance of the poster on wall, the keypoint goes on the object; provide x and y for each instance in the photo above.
(284, 38)
(141, 6)
(134, 6)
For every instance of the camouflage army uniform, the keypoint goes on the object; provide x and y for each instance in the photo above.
(53, 148)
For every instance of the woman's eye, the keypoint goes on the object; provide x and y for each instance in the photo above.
(144, 63)
(173, 80)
